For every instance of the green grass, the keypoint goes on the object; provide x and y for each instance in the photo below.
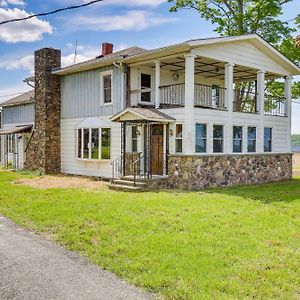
(225, 243)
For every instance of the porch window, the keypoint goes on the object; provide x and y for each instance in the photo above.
(201, 138)
(237, 139)
(268, 139)
(251, 139)
(218, 138)
(146, 84)
(178, 138)
(106, 83)
(93, 143)
(134, 139)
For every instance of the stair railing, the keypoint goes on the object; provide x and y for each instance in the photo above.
(136, 166)
(117, 167)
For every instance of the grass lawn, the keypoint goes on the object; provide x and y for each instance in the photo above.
(225, 243)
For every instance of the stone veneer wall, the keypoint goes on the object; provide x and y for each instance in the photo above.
(198, 172)
(43, 152)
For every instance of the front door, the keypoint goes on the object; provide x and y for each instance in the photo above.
(157, 145)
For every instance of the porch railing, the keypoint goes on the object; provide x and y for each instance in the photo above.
(172, 95)
(245, 101)
(209, 96)
(275, 106)
(137, 168)
(117, 167)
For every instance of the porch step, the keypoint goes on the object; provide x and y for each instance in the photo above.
(130, 183)
(125, 188)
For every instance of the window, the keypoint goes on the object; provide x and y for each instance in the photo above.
(218, 138)
(201, 138)
(178, 138)
(105, 143)
(79, 143)
(251, 139)
(93, 143)
(268, 139)
(237, 139)
(106, 83)
(145, 84)
(134, 139)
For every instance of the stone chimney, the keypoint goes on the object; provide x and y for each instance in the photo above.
(298, 41)
(43, 151)
(107, 48)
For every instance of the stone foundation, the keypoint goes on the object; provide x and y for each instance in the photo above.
(198, 172)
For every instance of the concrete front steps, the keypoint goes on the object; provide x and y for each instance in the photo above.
(127, 185)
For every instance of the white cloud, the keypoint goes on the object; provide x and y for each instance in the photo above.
(8, 92)
(12, 2)
(25, 31)
(134, 20)
(23, 63)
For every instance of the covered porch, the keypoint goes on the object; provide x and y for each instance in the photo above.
(144, 144)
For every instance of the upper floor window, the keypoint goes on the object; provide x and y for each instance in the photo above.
(251, 139)
(106, 83)
(237, 139)
(201, 138)
(146, 84)
(93, 143)
(218, 139)
(267, 139)
(178, 138)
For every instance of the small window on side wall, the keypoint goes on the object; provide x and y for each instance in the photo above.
(106, 84)
(178, 138)
(268, 139)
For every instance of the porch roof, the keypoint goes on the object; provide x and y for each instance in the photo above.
(142, 114)
(17, 129)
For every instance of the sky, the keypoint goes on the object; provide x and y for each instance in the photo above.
(125, 23)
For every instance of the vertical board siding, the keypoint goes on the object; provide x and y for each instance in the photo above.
(19, 114)
(81, 94)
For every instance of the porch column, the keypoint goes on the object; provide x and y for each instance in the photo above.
(261, 109)
(229, 98)
(288, 108)
(165, 149)
(157, 84)
(189, 126)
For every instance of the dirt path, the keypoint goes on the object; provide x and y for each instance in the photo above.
(34, 268)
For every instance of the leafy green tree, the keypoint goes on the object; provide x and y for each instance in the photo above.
(237, 17)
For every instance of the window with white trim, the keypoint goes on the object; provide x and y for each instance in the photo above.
(178, 138)
(218, 138)
(268, 139)
(106, 86)
(201, 138)
(93, 143)
(146, 85)
(237, 139)
(251, 139)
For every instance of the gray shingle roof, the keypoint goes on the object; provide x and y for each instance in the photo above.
(25, 98)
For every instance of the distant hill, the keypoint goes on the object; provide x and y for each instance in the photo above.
(296, 142)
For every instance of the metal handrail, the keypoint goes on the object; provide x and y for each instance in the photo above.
(116, 165)
(275, 106)
(134, 165)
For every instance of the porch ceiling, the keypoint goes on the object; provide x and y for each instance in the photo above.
(210, 68)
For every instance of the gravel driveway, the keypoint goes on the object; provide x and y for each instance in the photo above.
(34, 268)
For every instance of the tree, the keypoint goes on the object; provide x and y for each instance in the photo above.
(237, 17)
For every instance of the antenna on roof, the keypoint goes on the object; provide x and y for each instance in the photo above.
(75, 54)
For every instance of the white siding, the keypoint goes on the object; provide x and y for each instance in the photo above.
(71, 165)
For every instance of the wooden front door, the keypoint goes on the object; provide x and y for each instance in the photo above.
(157, 151)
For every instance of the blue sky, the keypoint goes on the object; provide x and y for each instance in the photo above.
(144, 23)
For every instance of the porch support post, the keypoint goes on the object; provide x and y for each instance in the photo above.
(165, 149)
(189, 126)
(261, 108)
(124, 148)
(229, 98)
(288, 108)
(157, 84)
